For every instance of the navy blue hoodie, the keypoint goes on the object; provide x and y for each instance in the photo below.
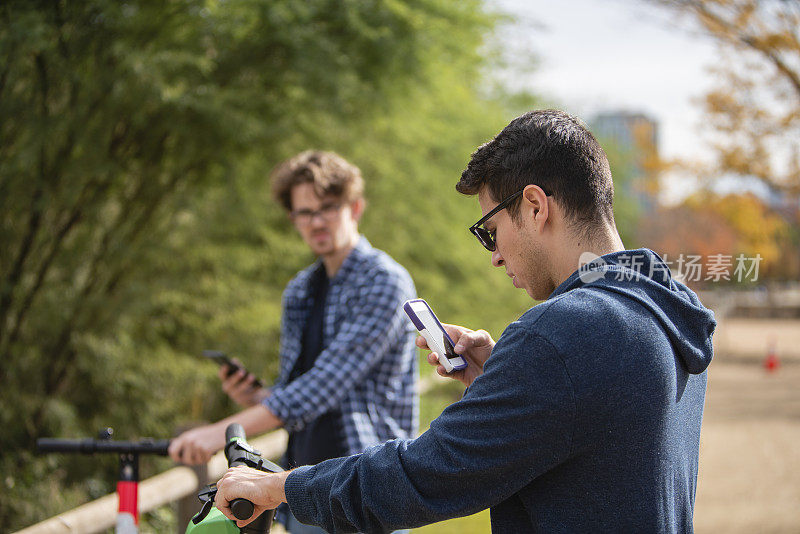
(586, 419)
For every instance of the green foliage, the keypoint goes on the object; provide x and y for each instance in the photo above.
(136, 139)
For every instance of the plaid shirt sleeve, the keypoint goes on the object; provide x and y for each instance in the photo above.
(374, 321)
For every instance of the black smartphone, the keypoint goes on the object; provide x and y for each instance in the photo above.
(220, 358)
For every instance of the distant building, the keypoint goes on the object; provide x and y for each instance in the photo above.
(635, 135)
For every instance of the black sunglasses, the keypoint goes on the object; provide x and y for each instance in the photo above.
(485, 236)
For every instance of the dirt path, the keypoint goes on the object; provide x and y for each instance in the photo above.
(749, 477)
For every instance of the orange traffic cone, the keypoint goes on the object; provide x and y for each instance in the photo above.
(771, 362)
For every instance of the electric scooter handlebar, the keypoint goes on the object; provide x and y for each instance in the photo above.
(234, 430)
(91, 446)
(241, 508)
(128, 480)
(237, 452)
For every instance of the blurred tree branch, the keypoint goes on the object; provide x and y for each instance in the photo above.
(754, 112)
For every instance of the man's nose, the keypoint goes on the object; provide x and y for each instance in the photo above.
(317, 219)
(497, 259)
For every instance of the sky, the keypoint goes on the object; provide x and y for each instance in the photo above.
(615, 55)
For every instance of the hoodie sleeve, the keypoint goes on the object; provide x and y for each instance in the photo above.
(513, 424)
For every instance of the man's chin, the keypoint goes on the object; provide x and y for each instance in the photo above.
(322, 249)
(534, 294)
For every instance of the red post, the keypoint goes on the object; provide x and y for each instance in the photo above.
(128, 493)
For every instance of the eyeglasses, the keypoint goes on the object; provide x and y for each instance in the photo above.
(327, 212)
(486, 237)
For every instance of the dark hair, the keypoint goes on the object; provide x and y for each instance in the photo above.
(551, 149)
(328, 172)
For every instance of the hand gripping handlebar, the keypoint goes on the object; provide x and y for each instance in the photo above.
(239, 452)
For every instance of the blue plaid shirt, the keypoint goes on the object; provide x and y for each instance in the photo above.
(368, 366)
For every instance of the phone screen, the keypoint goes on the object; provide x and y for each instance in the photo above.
(434, 328)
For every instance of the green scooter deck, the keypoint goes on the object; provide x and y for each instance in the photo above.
(213, 523)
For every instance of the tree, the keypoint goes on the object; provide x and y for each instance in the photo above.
(758, 229)
(672, 232)
(135, 221)
(732, 225)
(754, 111)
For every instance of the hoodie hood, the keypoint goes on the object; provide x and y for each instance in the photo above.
(643, 276)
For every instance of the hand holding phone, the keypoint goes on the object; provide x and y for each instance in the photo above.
(220, 358)
(434, 333)
(475, 346)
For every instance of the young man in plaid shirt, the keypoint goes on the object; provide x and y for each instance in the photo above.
(347, 359)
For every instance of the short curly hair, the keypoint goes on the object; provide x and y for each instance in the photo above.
(554, 150)
(328, 172)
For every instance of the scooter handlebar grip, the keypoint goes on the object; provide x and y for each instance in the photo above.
(242, 508)
(234, 430)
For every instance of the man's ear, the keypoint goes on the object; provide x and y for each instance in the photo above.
(357, 208)
(536, 200)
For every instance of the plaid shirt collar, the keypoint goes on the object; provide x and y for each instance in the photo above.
(350, 268)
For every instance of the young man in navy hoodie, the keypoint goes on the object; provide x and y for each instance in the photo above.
(583, 417)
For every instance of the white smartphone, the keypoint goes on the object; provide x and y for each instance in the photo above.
(434, 333)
